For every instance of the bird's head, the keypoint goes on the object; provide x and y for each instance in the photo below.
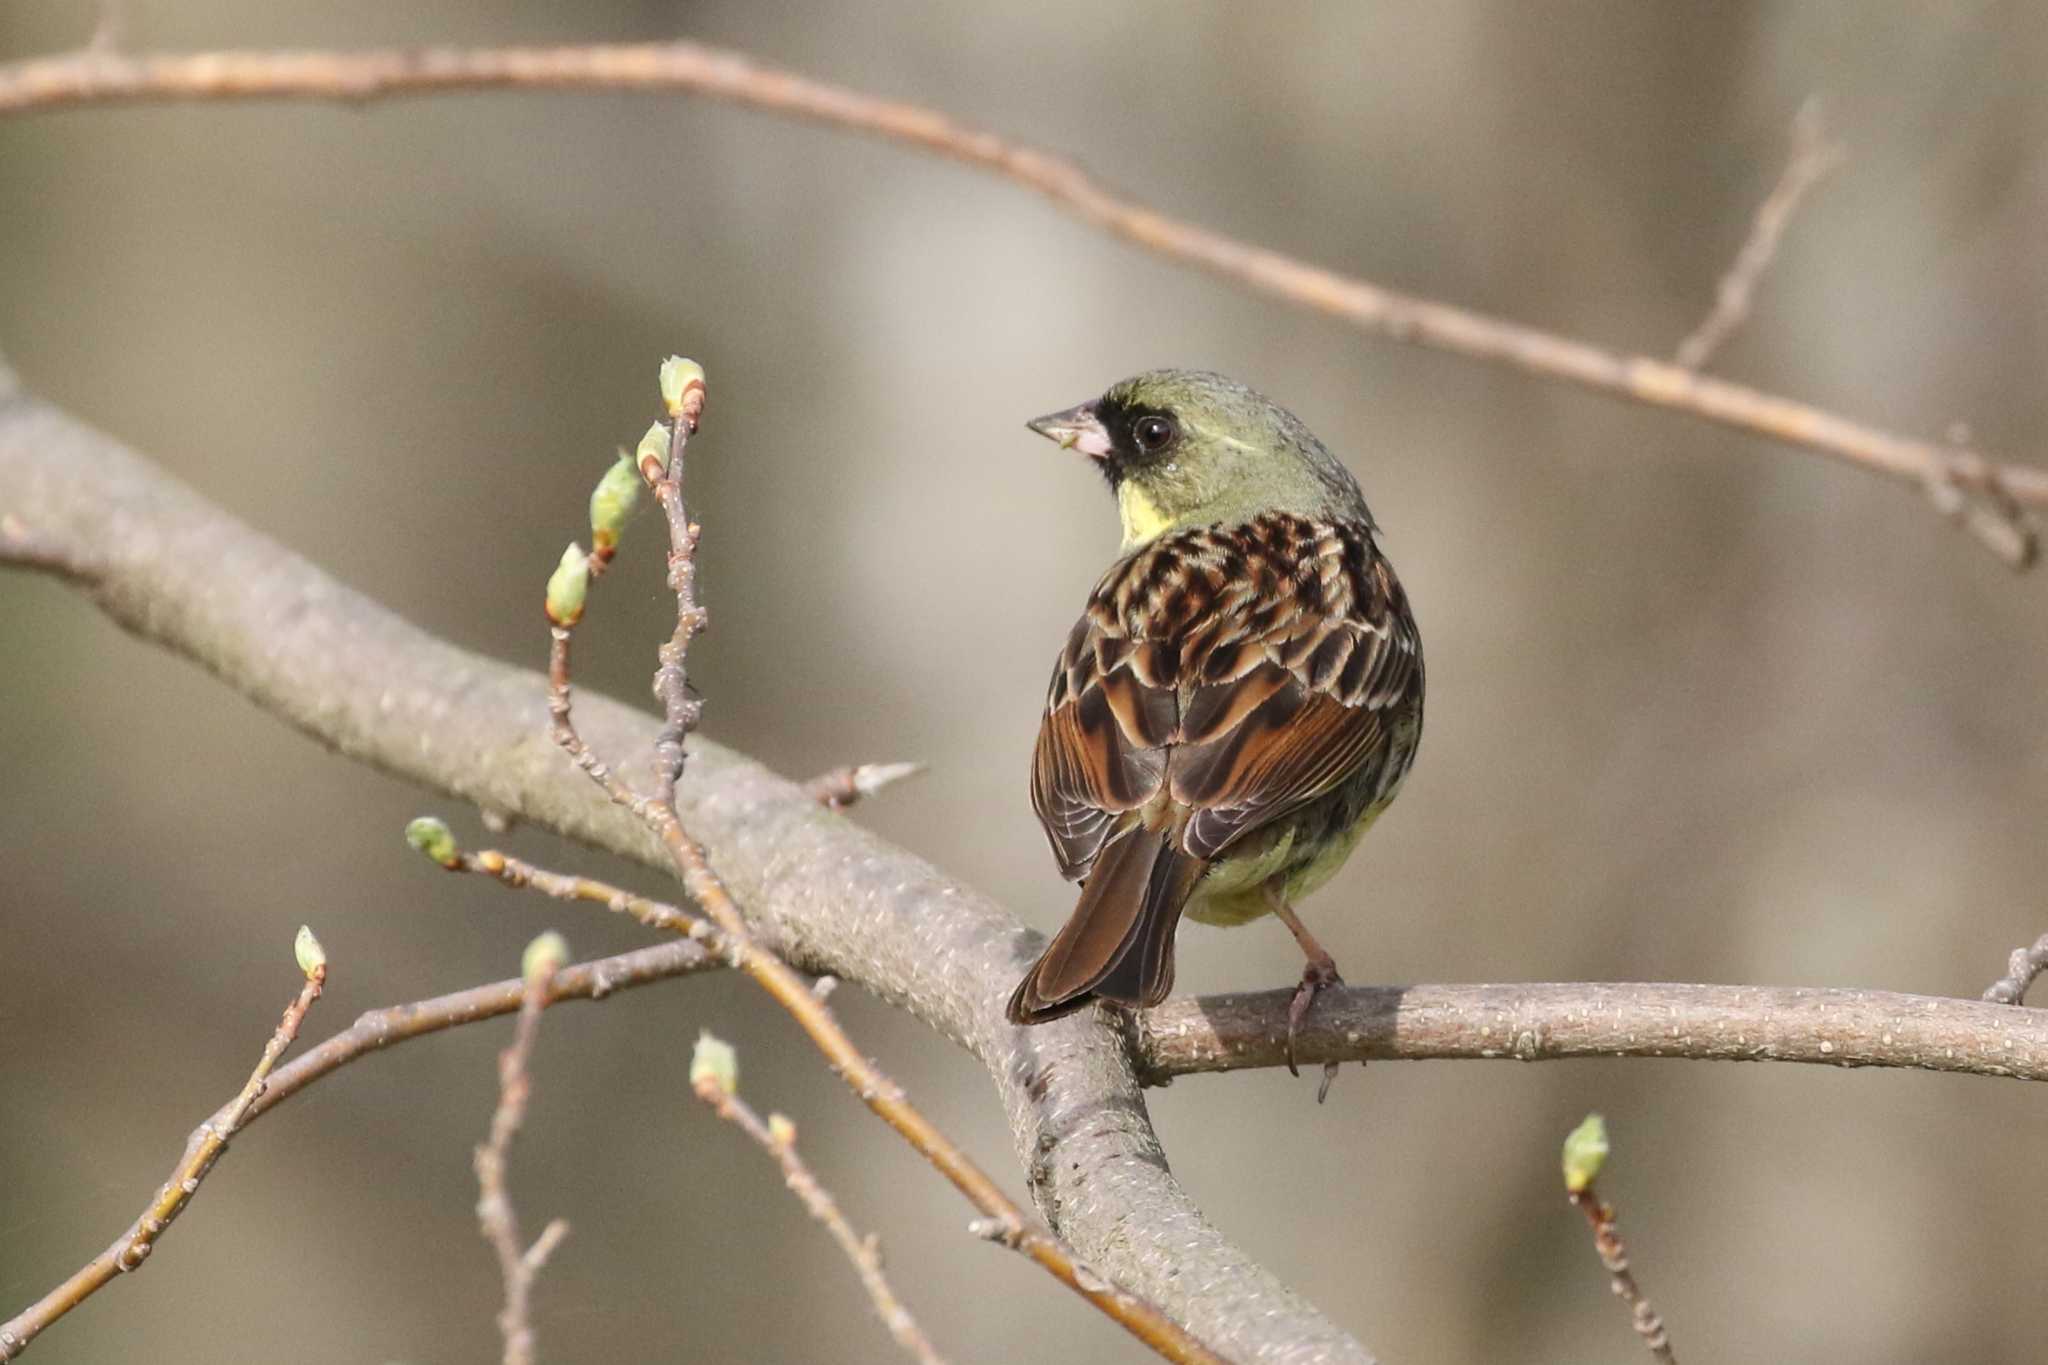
(1189, 448)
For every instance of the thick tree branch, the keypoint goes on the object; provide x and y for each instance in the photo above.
(1996, 494)
(822, 892)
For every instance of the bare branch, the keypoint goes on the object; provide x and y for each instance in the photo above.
(89, 77)
(2020, 971)
(1813, 157)
(1536, 1022)
(777, 1137)
(202, 1150)
(1621, 1279)
(517, 1265)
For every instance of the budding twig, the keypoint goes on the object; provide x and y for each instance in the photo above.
(202, 1149)
(1585, 1151)
(518, 1265)
(718, 1087)
(683, 395)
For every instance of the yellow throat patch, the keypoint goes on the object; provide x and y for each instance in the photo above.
(1143, 521)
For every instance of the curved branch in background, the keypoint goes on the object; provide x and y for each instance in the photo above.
(820, 891)
(1987, 498)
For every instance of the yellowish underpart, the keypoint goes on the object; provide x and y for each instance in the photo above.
(1234, 891)
(1143, 521)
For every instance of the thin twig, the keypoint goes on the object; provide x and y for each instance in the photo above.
(782, 982)
(517, 1265)
(2020, 971)
(202, 1149)
(777, 1137)
(1614, 1255)
(381, 1028)
(850, 785)
(1812, 158)
(84, 78)
(517, 872)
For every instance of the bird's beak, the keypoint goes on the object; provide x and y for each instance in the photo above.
(1076, 428)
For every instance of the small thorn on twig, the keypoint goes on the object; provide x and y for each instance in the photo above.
(843, 787)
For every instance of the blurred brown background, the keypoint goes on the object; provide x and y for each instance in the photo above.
(1701, 709)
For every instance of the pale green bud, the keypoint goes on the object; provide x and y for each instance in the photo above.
(678, 378)
(651, 455)
(306, 948)
(611, 502)
(433, 838)
(1585, 1150)
(714, 1062)
(568, 585)
(543, 957)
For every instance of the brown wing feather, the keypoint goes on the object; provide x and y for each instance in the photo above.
(1223, 678)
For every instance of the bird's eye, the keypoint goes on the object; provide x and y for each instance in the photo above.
(1152, 433)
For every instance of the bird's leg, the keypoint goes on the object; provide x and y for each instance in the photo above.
(1321, 971)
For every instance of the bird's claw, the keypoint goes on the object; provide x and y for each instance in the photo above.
(1314, 978)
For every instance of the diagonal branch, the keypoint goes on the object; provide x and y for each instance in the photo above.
(207, 1144)
(2000, 492)
(777, 1137)
(820, 891)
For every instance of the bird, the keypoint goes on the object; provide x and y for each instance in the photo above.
(1240, 700)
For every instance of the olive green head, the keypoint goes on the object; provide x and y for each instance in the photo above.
(1190, 448)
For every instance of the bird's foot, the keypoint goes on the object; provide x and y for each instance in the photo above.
(1314, 978)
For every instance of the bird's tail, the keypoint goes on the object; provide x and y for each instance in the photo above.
(1118, 943)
